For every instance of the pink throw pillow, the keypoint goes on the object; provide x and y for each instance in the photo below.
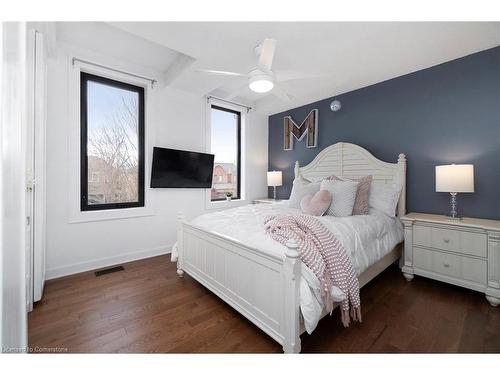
(316, 205)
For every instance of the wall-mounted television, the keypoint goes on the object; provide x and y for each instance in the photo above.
(181, 169)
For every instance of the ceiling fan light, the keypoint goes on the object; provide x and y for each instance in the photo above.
(261, 85)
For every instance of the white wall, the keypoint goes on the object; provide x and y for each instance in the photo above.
(175, 119)
(12, 199)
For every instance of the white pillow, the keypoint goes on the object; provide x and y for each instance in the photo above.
(384, 197)
(300, 188)
(343, 196)
(315, 179)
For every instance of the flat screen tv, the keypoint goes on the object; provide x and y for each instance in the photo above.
(181, 169)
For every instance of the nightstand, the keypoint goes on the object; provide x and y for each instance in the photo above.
(266, 200)
(463, 252)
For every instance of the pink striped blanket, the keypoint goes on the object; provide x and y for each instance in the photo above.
(324, 255)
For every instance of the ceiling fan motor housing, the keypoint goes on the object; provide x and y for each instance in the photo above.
(260, 81)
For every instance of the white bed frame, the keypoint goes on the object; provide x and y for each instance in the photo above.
(265, 288)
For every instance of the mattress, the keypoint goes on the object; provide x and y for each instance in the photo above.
(366, 238)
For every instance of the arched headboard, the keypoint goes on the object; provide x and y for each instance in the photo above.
(352, 161)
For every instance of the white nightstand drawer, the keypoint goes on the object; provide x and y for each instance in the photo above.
(456, 266)
(452, 240)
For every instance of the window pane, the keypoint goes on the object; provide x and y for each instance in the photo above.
(112, 144)
(224, 144)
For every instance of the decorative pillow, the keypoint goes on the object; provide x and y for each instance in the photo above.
(361, 206)
(316, 205)
(343, 196)
(314, 179)
(301, 187)
(384, 197)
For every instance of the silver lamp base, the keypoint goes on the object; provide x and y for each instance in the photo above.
(454, 207)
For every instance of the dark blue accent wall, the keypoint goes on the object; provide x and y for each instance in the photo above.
(449, 113)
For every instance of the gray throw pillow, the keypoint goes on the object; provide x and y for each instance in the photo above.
(361, 204)
(343, 196)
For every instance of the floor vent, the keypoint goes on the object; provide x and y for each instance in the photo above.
(108, 270)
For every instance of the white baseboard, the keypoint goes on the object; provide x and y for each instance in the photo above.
(71, 269)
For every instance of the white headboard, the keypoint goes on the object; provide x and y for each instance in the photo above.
(352, 161)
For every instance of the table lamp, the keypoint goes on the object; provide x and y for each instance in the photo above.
(274, 178)
(453, 179)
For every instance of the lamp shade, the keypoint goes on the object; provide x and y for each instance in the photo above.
(274, 178)
(455, 178)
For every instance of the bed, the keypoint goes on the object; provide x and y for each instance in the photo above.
(263, 280)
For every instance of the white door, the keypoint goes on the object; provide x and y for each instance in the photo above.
(35, 171)
(30, 165)
(39, 190)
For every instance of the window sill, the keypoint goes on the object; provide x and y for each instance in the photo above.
(113, 214)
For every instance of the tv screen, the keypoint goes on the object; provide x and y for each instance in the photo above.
(181, 169)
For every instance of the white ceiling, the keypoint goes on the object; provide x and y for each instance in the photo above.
(347, 55)
(104, 39)
(101, 38)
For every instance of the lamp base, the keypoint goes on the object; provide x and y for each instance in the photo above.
(453, 203)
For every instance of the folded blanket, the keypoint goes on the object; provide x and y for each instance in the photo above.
(320, 251)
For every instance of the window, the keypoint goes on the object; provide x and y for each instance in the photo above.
(225, 145)
(112, 144)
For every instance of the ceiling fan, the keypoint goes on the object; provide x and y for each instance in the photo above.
(262, 79)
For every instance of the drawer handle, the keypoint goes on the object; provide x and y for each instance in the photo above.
(446, 240)
(446, 265)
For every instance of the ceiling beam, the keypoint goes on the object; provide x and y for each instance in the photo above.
(176, 68)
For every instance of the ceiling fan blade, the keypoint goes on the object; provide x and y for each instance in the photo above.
(280, 93)
(290, 75)
(267, 54)
(221, 72)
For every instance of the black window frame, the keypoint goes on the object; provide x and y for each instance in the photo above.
(84, 206)
(238, 159)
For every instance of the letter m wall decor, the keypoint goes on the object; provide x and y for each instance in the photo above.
(309, 128)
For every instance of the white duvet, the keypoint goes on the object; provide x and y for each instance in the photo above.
(366, 238)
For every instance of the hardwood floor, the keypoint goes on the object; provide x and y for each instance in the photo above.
(147, 308)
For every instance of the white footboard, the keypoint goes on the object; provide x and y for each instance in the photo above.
(262, 287)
